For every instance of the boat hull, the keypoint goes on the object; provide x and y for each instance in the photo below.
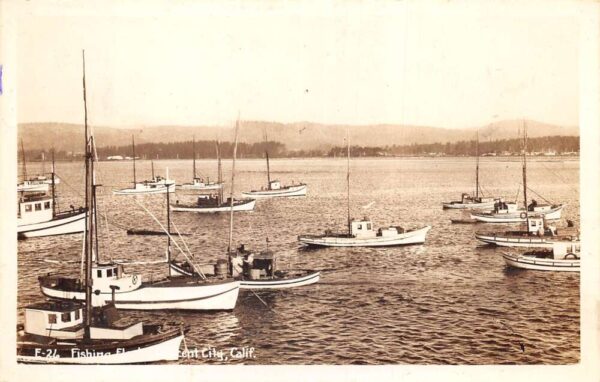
(196, 187)
(72, 223)
(465, 206)
(283, 192)
(521, 241)
(160, 189)
(157, 296)
(245, 206)
(38, 187)
(553, 214)
(164, 348)
(532, 263)
(275, 283)
(416, 236)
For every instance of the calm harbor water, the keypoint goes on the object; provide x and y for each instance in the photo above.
(449, 301)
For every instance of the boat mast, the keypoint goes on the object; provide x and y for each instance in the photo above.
(194, 160)
(525, 173)
(168, 227)
(24, 162)
(152, 166)
(53, 187)
(267, 156)
(477, 167)
(348, 180)
(88, 222)
(133, 148)
(237, 127)
(219, 171)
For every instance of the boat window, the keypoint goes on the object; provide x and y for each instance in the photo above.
(368, 226)
(359, 226)
(28, 208)
(99, 273)
(77, 315)
(115, 271)
(109, 273)
(46, 205)
(533, 224)
(38, 206)
(52, 318)
(66, 317)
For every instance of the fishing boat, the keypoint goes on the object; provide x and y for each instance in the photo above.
(255, 271)
(562, 257)
(538, 234)
(58, 333)
(215, 202)
(75, 333)
(362, 233)
(475, 201)
(38, 183)
(39, 216)
(509, 212)
(111, 284)
(199, 183)
(274, 188)
(156, 185)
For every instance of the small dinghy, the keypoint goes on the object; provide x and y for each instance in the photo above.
(509, 213)
(274, 187)
(209, 204)
(563, 257)
(38, 215)
(199, 183)
(476, 201)
(156, 185)
(539, 234)
(58, 333)
(362, 234)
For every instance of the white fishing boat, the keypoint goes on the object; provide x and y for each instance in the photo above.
(57, 333)
(274, 188)
(39, 216)
(362, 233)
(110, 283)
(261, 274)
(538, 234)
(255, 271)
(75, 333)
(563, 257)
(38, 183)
(215, 202)
(209, 204)
(475, 201)
(199, 183)
(156, 185)
(510, 213)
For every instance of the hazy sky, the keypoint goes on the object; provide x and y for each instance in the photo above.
(448, 64)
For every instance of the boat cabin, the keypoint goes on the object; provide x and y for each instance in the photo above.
(212, 200)
(539, 208)
(501, 207)
(35, 209)
(111, 274)
(362, 228)
(566, 251)
(62, 320)
(275, 185)
(466, 198)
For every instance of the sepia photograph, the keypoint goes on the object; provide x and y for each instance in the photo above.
(301, 189)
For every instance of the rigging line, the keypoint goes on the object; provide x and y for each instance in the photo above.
(172, 239)
(544, 199)
(183, 241)
(263, 301)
